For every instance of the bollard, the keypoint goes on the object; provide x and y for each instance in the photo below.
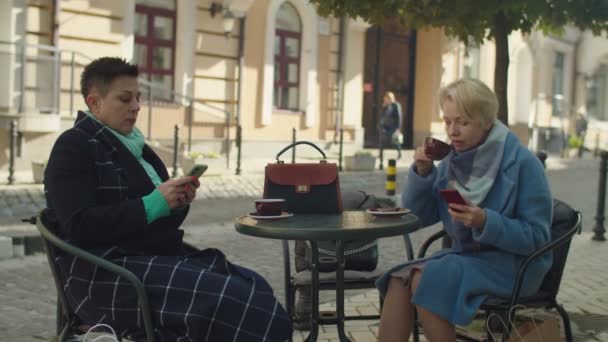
(149, 137)
(391, 177)
(542, 156)
(341, 152)
(381, 154)
(19, 246)
(293, 150)
(13, 148)
(175, 151)
(598, 230)
(596, 148)
(239, 140)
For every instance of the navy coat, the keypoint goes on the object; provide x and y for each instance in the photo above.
(94, 186)
(518, 210)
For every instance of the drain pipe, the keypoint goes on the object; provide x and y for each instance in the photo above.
(573, 96)
(239, 93)
(55, 24)
(57, 55)
(340, 71)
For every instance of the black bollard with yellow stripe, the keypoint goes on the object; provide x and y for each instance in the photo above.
(391, 177)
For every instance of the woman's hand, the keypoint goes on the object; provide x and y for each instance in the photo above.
(424, 165)
(180, 191)
(470, 216)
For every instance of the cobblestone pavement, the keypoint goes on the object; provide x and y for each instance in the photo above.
(27, 293)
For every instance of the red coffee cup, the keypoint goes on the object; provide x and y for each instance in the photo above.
(435, 148)
(270, 206)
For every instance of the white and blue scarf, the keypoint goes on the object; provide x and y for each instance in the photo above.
(473, 172)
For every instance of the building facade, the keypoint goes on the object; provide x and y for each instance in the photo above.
(266, 66)
(552, 78)
(269, 67)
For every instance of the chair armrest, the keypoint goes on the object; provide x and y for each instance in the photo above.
(286, 271)
(409, 249)
(429, 241)
(105, 264)
(548, 247)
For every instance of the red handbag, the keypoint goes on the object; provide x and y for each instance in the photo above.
(312, 188)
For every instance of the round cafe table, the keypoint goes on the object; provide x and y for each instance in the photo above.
(349, 225)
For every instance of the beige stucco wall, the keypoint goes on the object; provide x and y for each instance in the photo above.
(428, 81)
(93, 28)
(253, 85)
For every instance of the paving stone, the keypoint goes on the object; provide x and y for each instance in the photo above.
(28, 296)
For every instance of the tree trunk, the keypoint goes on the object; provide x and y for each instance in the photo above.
(501, 37)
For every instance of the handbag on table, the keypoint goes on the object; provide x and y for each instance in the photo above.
(308, 188)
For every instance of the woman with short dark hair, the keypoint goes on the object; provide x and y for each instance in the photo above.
(111, 195)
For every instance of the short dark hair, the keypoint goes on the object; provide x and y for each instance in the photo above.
(102, 71)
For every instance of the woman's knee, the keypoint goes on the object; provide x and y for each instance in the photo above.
(394, 283)
(396, 287)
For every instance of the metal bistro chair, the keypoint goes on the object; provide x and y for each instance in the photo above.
(68, 324)
(565, 224)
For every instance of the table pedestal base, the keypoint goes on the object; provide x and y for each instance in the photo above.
(327, 317)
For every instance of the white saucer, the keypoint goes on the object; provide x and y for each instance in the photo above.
(387, 212)
(268, 217)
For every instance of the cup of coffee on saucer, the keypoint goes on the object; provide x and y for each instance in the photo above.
(269, 206)
(435, 148)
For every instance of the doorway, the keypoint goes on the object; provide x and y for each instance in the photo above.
(390, 63)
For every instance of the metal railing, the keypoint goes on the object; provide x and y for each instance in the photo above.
(155, 93)
(44, 79)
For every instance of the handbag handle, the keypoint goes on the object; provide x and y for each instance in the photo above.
(302, 143)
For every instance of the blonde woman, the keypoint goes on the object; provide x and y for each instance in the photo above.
(508, 217)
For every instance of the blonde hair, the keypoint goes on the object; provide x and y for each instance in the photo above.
(474, 100)
(390, 96)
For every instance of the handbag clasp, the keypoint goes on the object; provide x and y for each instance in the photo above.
(302, 189)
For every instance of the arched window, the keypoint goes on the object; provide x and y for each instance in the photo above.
(287, 52)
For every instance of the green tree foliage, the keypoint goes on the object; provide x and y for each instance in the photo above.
(477, 20)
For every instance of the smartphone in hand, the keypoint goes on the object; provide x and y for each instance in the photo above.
(453, 196)
(198, 170)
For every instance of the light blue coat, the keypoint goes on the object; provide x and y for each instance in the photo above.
(518, 211)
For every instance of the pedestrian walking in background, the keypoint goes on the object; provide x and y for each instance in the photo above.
(390, 123)
(580, 129)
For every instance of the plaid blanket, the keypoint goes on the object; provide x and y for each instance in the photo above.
(198, 297)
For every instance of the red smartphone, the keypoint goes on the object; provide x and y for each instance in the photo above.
(452, 196)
